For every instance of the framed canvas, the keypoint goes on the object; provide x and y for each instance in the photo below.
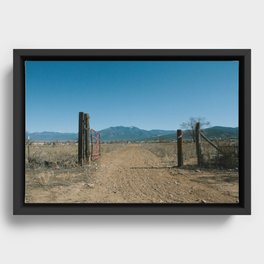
(132, 132)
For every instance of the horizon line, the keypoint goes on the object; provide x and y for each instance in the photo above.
(126, 127)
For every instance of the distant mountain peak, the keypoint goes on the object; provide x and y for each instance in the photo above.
(132, 133)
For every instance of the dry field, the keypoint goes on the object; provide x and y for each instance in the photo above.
(125, 173)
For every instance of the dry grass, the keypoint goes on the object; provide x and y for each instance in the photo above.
(139, 172)
(64, 155)
(56, 155)
(108, 147)
(167, 152)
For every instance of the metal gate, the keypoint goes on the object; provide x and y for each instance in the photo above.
(95, 144)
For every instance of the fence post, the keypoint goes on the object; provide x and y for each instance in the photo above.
(81, 138)
(91, 135)
(198, 143)
(87, 137)
(179, 147)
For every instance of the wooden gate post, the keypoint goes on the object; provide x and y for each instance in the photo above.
(87, 137)
(91, 135)
(198, 144)
(179, 147)
(81, 138)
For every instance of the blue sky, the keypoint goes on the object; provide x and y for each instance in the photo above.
(145, 94)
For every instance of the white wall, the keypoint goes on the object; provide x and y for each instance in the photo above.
(130, 24)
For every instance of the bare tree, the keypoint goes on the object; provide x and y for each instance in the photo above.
(190, 125)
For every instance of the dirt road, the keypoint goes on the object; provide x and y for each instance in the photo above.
(133, 174)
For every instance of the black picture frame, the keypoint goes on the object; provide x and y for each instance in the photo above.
(244, 58)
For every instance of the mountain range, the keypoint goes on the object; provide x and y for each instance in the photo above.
(121, 133)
